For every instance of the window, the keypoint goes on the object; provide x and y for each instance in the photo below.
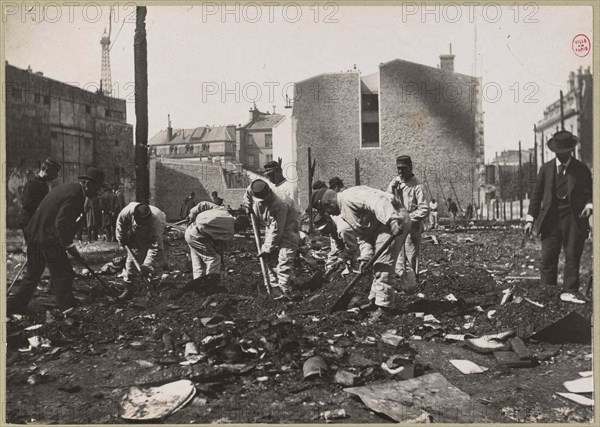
(88, 109)
(250, 140)
(54, 135)
(370, 135)
(268, 140)
(46, 100)
(370, 102)
(116, 142)
(37, 98)
(269, 158)
(189, 148)
(251, 160)
(370, 120)
(16, 93)
(107, 113)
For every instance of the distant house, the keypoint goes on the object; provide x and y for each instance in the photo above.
(256, 139)
(577, 115)
(215, 143)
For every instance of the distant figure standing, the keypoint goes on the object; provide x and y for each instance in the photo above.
(36, 189)
(561, 204)
(433, 214)
(453, 211)
(469, 211)
(93, 216)
(107, 206)
(188, 203)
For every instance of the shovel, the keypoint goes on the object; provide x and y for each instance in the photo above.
(107, 288)
(138, 267)
(346, 297)
(17, 276)
(263, 262)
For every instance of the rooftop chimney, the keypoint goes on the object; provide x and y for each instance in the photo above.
(169, 129)
(571, 81)
(273, 109)
(447, 61)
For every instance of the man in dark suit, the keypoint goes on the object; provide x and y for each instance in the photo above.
(560, 206)
(50, 236)
(36, 189)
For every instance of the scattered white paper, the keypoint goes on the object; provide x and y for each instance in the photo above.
(450, 297)
(571, 298)
(580, 385)
(577, 398)
(468, 367)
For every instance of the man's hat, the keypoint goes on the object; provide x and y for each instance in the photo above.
(403, 161)
(260, 189)
(142, 212)
(315, 200)
(562, 142)
(336, 181)
(51, 163)
(272, 166)
(94, 174)
(318, 184)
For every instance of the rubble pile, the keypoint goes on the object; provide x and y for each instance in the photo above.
(199, 355)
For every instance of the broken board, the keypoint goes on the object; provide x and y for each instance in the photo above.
(407, 400)
(510, 359)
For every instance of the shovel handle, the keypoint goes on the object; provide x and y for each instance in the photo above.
(17, 276)
(138, 266)
(263, 263)
(367, 267)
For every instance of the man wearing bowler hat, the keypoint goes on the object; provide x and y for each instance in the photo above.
(410, 193)
(36, 189)
(559, 211)
(49, 235)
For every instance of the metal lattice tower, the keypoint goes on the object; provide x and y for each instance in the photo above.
(105, 80)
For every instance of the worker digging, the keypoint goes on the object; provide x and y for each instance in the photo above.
(370, 244)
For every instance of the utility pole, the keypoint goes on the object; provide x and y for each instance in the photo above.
(542, 146)
(140, 52)
(520, 182)
(535, 150)
(311, 172)
(562, 112)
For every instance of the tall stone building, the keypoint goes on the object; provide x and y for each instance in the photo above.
(432, 114)
(76, 127)
(578, 118)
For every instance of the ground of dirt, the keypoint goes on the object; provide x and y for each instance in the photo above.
(252, 349)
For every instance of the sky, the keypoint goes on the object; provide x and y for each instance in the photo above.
(208, 63)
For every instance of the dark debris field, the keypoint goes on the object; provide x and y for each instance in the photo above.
(251, 350)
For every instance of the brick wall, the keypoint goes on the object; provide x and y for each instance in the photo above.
(171, 182)
(427, 113)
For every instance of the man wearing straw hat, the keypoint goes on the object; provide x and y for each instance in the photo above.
(559, 211)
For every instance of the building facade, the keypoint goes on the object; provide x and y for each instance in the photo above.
(577, 117)
(432, 114)
(76, 127)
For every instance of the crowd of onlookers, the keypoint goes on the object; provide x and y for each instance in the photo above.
(100, 214)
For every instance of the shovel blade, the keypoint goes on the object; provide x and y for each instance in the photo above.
(342, 303)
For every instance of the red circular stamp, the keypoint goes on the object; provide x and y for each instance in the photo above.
(581, 45)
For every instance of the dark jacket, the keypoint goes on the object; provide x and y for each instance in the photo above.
(93, 212)
(579, 182)
(33, 193)
(56, 217)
